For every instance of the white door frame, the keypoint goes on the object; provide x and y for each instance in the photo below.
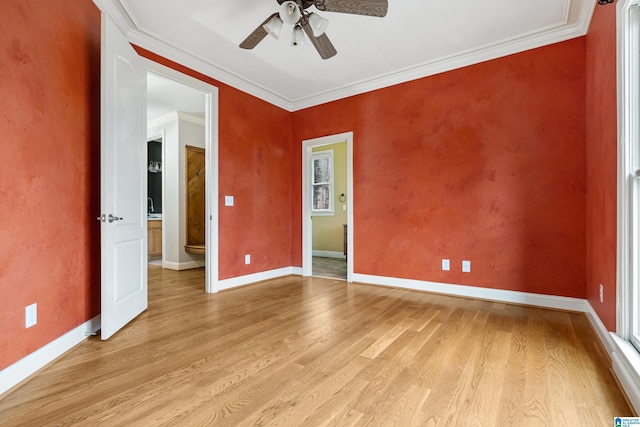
(211, 164)
(307, 239)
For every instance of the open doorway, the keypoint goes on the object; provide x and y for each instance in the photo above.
(327, 210)
(179, 118)
(175, 121)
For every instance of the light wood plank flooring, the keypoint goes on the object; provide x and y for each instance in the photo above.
(321, 352)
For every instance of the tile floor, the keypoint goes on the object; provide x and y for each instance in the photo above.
(329, 267)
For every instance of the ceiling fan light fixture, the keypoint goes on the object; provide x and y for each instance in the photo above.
(318, 24)
(290, 13)
(297, 38)
(273, 27)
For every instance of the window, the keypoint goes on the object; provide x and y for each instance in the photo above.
(625, 343)
(628, 321)
(633, 295)
(322, 183)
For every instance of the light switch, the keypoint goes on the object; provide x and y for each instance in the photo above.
(446, 265)
(228, 200)
(31, 315)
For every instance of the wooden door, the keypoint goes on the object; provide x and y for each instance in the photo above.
(195, 178)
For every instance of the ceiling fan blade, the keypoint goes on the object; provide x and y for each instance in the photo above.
(256, 37)
(322, 44)
(356, 7)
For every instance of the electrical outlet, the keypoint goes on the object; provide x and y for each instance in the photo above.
(247, 259)
(228, 200)
(466, 266)
(601, 293)
(30, 315)
(446, 266)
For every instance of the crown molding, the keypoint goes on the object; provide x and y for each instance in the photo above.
(190, 60)
(175, 116)
(190, 118)
(159, 46)
(156, 44)
(503, 48)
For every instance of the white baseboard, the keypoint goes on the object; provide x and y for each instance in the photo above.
(625, 359)
(328, 254)
(186, 265)
(257, 277)
(29, 365)
(626, 365)
(601, 330)
(515, 297)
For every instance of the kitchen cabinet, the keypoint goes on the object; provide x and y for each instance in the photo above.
(154, 230)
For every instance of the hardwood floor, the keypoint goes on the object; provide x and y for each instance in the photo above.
(296, 351)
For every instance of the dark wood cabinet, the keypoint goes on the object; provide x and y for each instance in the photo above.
(344, 228)
(195, 169)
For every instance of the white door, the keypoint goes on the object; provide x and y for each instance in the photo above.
(122, 181)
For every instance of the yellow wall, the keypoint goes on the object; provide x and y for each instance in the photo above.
(327, 230)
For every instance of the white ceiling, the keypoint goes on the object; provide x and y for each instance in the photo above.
(417, 38)
(166, 96)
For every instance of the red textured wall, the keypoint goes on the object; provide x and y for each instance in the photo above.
(485, 163)
(255, 168)
(49, 180)
(602, 162)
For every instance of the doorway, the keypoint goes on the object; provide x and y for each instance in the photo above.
(342, 200)
(329, 210)
(193, 104)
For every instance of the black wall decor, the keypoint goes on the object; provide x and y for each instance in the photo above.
(154, 177)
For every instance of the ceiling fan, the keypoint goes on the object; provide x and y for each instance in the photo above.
(295, 13)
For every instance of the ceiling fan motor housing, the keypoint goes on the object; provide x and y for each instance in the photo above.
(290, 13)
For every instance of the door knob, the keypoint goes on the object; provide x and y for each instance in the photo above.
(102, 218)
(113, 218)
